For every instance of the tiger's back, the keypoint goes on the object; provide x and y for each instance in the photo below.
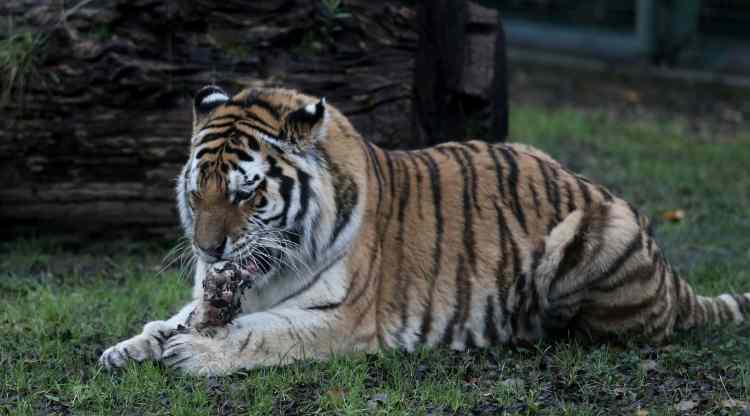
(454, 233)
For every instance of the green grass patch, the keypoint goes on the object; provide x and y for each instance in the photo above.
(62, 304)
(20, 55)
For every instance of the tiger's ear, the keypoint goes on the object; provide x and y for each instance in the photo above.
(305, 126)
(205, 101)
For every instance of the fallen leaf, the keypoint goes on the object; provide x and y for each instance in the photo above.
(686, 405)
(641, 413)
(735, 404)
(631, 96)
(337, 393)
(675, 215)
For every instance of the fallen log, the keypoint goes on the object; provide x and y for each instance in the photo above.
(96, 129)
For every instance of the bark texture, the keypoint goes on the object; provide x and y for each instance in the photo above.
(96, 136)
(460, 73)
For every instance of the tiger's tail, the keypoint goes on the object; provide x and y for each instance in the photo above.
(696, 310)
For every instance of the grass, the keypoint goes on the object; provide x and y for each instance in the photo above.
(62, 303)
(20, 54)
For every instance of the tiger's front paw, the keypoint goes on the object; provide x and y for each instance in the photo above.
(148, 345)
(196, 354)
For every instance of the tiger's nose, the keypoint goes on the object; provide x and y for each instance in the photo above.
(216, 250)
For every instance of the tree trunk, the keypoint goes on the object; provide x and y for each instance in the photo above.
(499, 92)
(459, 77)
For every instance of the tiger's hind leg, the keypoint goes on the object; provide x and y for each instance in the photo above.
(600, 273)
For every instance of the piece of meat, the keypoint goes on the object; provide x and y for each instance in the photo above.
(222, 288)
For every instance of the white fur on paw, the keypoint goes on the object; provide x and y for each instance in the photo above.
(113, 358)
(138, 348)
(195, 354)
(160, 330)
(146, 346)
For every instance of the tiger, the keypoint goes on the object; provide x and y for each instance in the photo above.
(354, 248)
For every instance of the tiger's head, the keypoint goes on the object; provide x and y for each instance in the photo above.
(259, 187)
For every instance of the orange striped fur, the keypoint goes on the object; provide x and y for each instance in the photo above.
(463, 245)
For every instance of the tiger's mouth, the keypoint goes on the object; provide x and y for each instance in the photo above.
(250, 269)
(260, 262)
